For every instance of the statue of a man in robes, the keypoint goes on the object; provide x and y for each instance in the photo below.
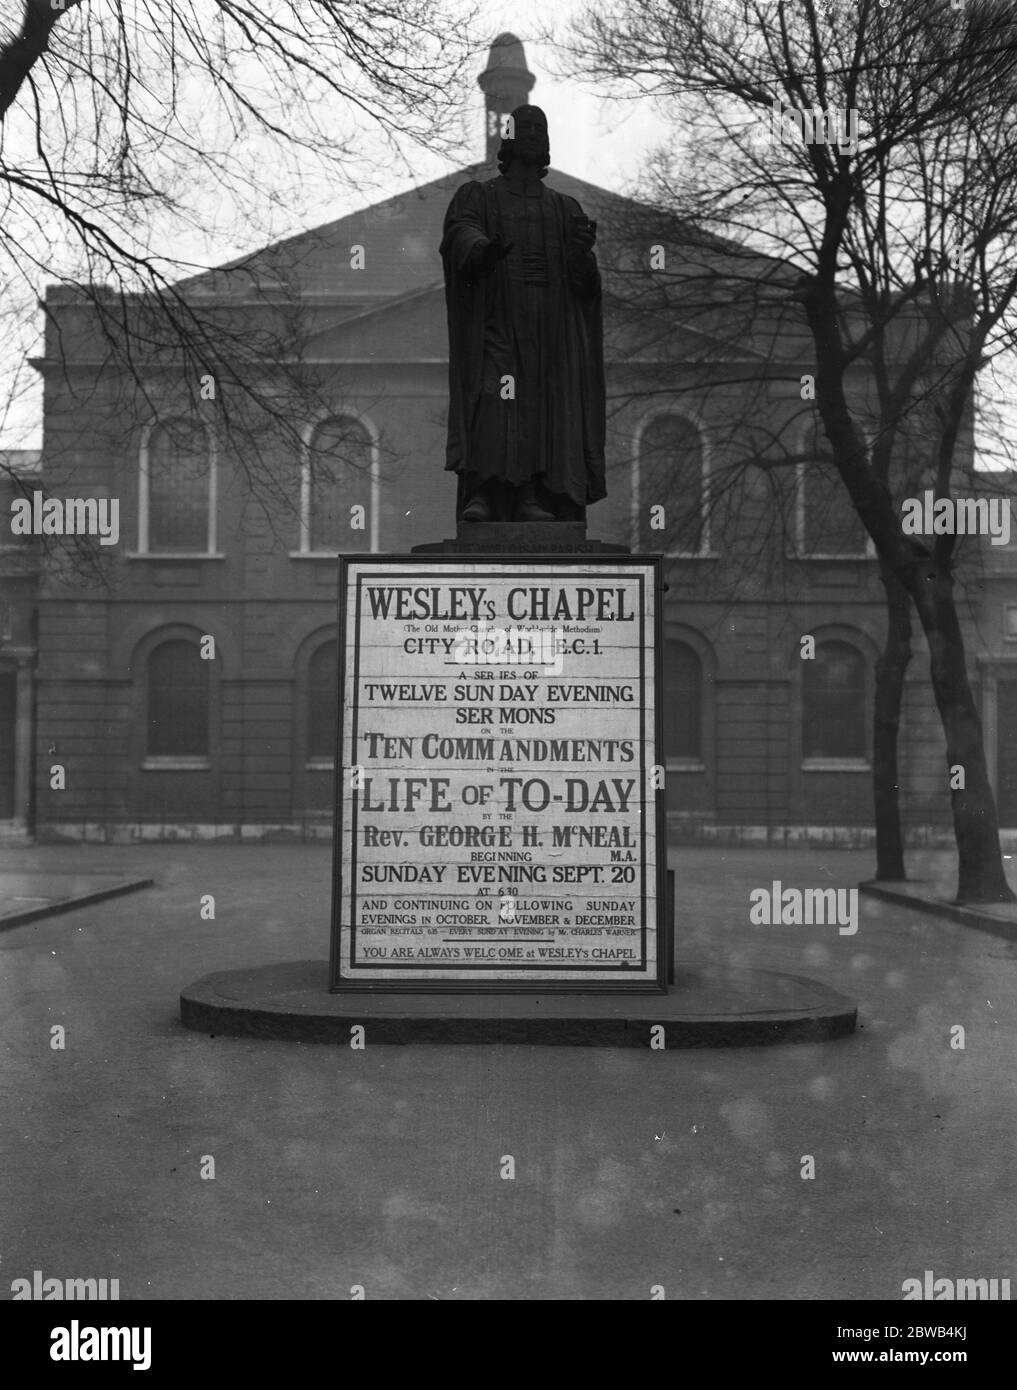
(526, 362)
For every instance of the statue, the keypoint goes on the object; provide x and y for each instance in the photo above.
(526, 417)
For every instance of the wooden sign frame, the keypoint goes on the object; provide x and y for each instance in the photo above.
(425, 600)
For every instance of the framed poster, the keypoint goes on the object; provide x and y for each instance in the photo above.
(499, 784)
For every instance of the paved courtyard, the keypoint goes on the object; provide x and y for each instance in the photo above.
(383, 1167)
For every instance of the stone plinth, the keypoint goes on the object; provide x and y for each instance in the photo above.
(521, 538)
(708, 1006)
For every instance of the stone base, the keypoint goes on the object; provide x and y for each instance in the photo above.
(998, 919)
(521, 538)
(708, 1006)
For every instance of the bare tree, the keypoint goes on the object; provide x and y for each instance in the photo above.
(133, 129)
(903, 239)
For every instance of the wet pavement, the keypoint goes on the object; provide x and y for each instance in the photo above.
(25, 896)
(234, 1168)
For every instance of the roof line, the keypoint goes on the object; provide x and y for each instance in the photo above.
(395, 302)
(324, 228)
(418, 192)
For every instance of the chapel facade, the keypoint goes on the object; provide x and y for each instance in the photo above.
(108, 675)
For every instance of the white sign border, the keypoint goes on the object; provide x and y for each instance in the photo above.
(541, 977)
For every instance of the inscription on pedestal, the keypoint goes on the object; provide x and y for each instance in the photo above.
(498, 781)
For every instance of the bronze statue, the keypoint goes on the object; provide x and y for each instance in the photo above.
(526, 362)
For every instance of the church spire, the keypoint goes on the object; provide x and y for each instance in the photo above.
(506, 83)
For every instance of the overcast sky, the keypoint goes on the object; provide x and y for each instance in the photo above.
(604, 142)
(601, 141)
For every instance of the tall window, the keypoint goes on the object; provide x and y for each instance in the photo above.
(827, 522)
(834, 703)
(177, 490)
(671, 476)
(322, 702)
(178, 701)
(339, 477)
(682, 700)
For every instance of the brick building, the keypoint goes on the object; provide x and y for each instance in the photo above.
(156, 741)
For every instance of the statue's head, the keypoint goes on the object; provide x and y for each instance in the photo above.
(529, 142)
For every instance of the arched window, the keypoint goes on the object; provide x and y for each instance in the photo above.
(338, 476)
(834, 703)
(682, 702)
(178, 701)
(671, 475)
(177, 494)
(828, 524)
(322, 702)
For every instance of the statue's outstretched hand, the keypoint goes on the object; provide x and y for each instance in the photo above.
(487, 256)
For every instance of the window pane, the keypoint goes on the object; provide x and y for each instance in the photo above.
(178, 686)
(831, 524)
(179, 471)
(683, 686)
(322, 701)
(834, 703)
(340, 461)
(671, 476)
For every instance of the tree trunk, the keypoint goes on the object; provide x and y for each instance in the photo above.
(21, 53)
(890, 672)
(928, 580)
(981, 877)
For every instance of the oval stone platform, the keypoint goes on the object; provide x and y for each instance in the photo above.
(707, 1006)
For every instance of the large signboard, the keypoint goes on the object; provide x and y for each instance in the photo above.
(499, 787)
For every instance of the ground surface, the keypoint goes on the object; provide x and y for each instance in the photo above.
(382, 1167)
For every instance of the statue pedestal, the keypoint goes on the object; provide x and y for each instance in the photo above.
(521, 538)
(505, 829)
(500, 865)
